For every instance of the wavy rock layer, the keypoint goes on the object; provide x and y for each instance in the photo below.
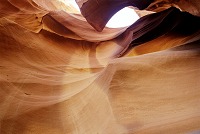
(60, 75)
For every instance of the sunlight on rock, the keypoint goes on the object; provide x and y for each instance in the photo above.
(71, 3)
(75, 4)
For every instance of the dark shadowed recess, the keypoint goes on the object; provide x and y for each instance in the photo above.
(174, 21)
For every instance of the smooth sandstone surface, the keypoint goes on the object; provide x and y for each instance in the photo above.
(62, 72)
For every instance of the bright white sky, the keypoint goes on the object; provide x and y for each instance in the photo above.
(124, 17)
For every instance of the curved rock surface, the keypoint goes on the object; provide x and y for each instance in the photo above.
(63, 72)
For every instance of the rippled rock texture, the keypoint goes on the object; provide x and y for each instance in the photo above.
(62, 72)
